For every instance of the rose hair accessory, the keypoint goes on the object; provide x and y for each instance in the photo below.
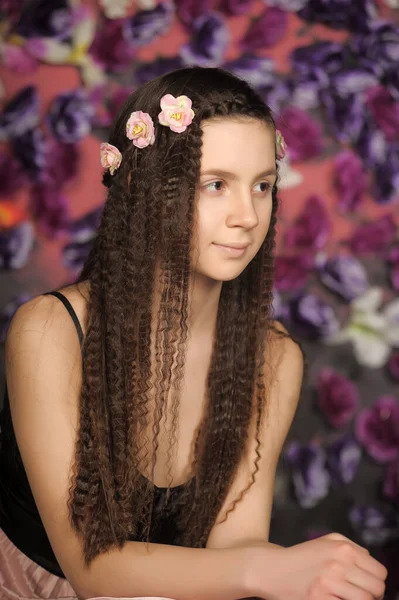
(111, 158)
(140, 129)
(176, 112)
(281, 146)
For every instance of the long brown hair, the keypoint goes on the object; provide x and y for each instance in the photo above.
(149, 215)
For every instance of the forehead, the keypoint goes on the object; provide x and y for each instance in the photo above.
(229, 143)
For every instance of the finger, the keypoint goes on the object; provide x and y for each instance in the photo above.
(371, 565)
(346, 591)
(365, 580)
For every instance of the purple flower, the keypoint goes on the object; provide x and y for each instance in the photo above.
(50, 209)
(373, 237)
(18, 60)
(146, 25)
(61, 165)
(256, 70)
(70, 116)
(310, 476)
(163, 64)
(302, 133)
(393, 366)
(322, 58)
(353, 80)
(110, 48)
(343, 459)
(354, 15)
(311, 228)
(30, 149)
(290, 5)
(311, 317)
(371, 143)
(375, 526)
(8, 313)
(391, 482)
(337, 397)
(83, 233)
(16, 244)
(11, 10)
(380, 45)
(189, 11)
(385, 111)
(377, 429)
(345, 114)
(292, 272)
(208, 42)
(265, 31)
(20, 114)
(344, 275)
(46, 19)
(386, 177)
(235, 7)
(349, 180)
(276, 94)
(11, 175)
(393, 260)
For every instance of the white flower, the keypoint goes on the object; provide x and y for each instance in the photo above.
(288, 177)
(392, 3)
(116, 9)
(372, 330)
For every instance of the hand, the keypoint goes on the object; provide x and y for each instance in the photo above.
(326, 568)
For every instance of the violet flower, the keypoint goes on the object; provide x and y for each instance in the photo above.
(309, 474)
(379, 46)
(30, 149)
(50, 210)
(70, 116)
(345, 275)
(109, 48)
(373, 237)
(256, 70)
(385, 111)
(393, 260)
(46, 19)
(235, 7)
(20, 114)
(354, 15)
(16, 244)
(343, 459)
(311, 229)
(375, 526)
(83, 232)
(386, 177)
(349, 180)
(188, 11)
(292, 272)
(302, 133)
(321, 58)
(160, 66)
(312, 318)
(18, 60)
(208, 42)
(371, 144)
(337, 397)
(265, 31)
(146, 25)
(61, 164)
(11, 175)
(377, 429)
(289, 5)
(276, 93)
(345, 114)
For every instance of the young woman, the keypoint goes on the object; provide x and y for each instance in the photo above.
(141, 436)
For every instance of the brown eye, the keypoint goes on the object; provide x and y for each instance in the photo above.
(218, 186)
(265, 187)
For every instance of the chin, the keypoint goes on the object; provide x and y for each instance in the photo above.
(222, 274)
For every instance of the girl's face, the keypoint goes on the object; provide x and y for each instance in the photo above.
(238, 172)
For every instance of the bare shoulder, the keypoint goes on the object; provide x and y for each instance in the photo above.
(285, 352)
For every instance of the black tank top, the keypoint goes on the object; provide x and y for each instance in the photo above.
(19, 517)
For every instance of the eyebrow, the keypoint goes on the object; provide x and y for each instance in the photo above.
(228, 175)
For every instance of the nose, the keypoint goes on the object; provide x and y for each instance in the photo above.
(242, 212)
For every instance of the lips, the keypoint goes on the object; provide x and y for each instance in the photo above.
(234, 245)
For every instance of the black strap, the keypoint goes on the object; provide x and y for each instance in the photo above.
(71, 311)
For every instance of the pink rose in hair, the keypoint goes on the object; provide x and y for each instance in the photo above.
(176, 112)
(281, 146)
(140, 129)
(111, 158)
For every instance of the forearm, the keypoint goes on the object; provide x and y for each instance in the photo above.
(169, 571)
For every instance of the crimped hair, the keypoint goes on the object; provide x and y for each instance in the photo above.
(149, 220)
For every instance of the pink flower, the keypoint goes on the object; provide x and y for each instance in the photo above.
(281, 146)
(140, 129)
(176, 112)
(111, 158)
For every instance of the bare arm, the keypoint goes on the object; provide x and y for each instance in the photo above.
(43, 369)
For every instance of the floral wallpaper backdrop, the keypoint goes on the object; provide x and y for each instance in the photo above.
(329, 70)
